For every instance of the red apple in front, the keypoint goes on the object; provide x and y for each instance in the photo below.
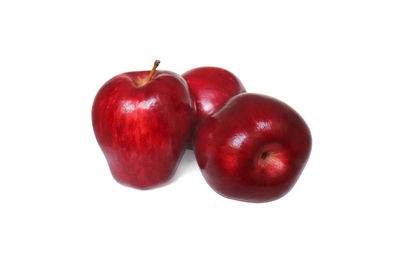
(211, 87)
(142, 121)
(253, 149)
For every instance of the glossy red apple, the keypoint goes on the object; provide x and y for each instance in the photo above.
(142, 122)
(253, 149)
(211, 87)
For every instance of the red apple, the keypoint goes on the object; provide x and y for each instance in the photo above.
(253, 149)
(142, 122)
(211, 87)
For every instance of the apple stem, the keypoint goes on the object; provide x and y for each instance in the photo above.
(156, 63)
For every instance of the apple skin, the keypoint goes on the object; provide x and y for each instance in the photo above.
(211, 87)
(143, 127)
(253, 149)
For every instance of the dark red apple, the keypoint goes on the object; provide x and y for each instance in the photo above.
(211, 87)
(142, 122)
(253, 149)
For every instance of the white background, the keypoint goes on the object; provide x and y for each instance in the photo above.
(336, 62)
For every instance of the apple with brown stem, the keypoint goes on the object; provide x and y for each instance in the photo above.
(142, 121)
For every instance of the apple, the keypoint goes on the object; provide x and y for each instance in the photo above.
(211, 87)
(142, 121)
(253, 149)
